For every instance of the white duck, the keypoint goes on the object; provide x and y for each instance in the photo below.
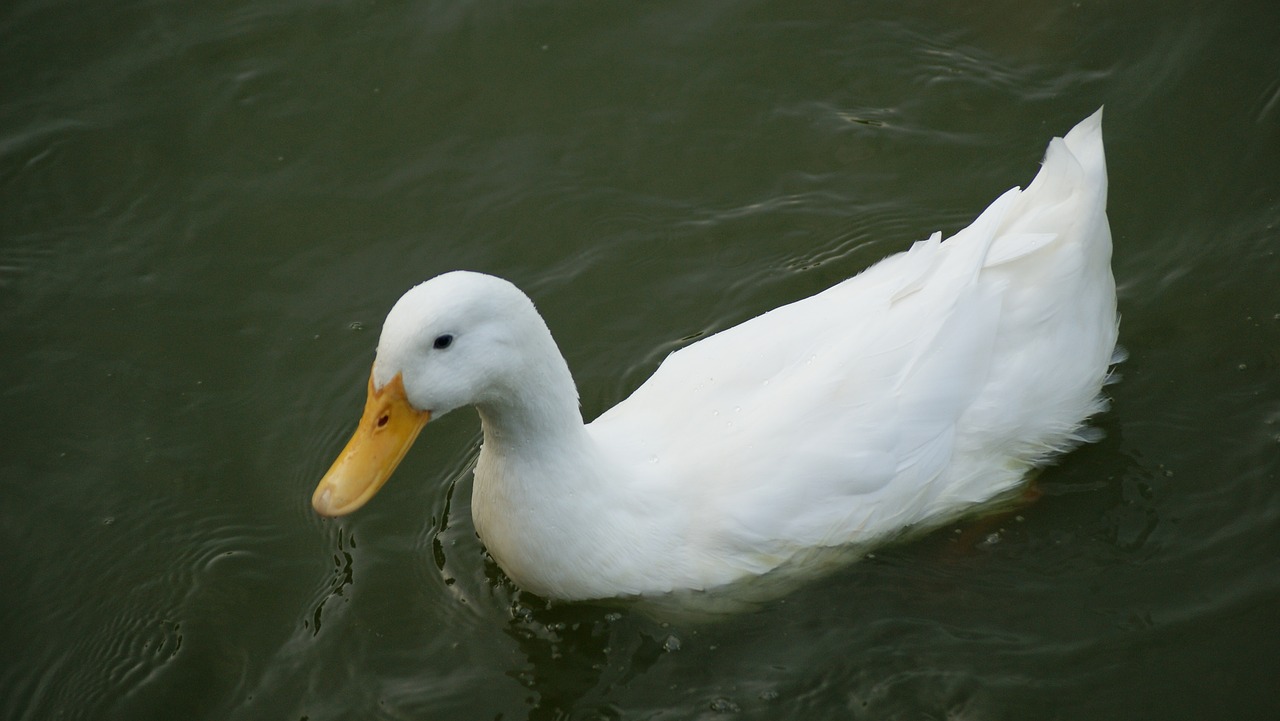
(932, 381)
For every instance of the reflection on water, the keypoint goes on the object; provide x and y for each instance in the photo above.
(343, 576)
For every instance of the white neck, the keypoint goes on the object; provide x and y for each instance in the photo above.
(556, 514)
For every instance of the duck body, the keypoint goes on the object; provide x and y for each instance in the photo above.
(897, 399)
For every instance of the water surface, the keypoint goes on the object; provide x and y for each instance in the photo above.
(206, 209)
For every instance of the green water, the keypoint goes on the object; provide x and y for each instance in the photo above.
(207, 208)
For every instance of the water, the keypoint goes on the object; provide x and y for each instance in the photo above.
(206, 210)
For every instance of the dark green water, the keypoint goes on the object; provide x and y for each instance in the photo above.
(207, 208)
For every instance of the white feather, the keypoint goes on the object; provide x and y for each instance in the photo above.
(896, 399)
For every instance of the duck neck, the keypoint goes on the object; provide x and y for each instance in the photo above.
(535, 443)
(544, 498)
(537, 407)
(516, 428)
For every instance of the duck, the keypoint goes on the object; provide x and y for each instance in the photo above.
(901, 398)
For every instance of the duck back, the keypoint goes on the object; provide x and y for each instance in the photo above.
(897, 399)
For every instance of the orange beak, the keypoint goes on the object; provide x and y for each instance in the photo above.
(387, 429)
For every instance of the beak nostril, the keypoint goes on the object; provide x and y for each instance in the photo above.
(382, 420)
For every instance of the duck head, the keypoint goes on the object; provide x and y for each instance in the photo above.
(458, 339)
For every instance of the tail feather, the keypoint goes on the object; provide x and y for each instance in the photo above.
(1085, 143)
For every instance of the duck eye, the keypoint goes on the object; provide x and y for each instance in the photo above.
(443, 341)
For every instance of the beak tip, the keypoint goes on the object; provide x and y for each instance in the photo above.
(322, 502)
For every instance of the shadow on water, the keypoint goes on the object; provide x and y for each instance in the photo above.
(343, 577)
(578, 654)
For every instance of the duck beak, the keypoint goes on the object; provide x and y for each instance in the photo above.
(387, 429)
